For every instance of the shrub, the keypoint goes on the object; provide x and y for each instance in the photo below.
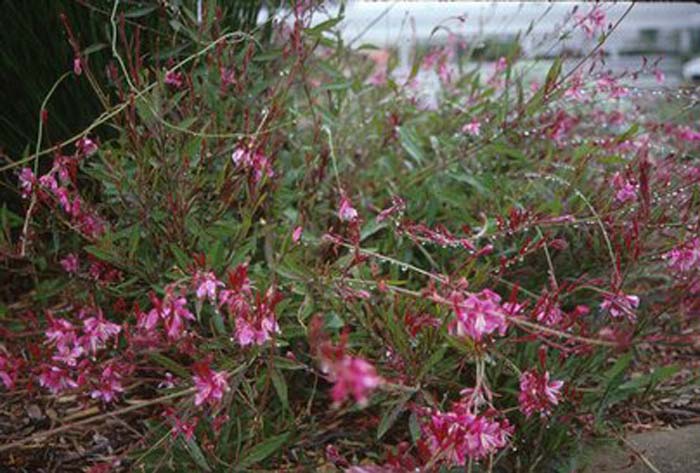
(290, 259)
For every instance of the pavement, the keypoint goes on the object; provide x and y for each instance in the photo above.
(667, 451)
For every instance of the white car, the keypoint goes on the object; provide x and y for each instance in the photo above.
(691, 70)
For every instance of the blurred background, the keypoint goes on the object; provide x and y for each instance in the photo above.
(538, 29)
(36, 47)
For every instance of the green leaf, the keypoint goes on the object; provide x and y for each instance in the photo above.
(323, 26)
(409, 142)
(391, 415)
(171, 365)
(182, 260)
(280, 386)
(414, 427)
(197, 454)
(100, 253)
(263, 450)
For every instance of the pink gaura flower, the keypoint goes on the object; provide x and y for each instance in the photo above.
(207, 284)
(48, 182)
(211, 385)
(445, 73)
(109, 385)
(296, 234)
(378, 78)
(86, 146)
(228, 77)
(346, 212)
(472, 128)
(8, 370)
(252, 160)
(398, 205)
(353, 376)
(548, 312)
(538, 393)
(659, 76)
(174, 312)
(56, 379)
(70, 263)
(620, 305)
(256, 325)
(592, 22)
(625, 191)
(97, 331)
(174, 79)
(77, 66)
(686, 134)
(478, 315)
(185, 428)
(27, 180)
(60, 331)
(685, 257)
(458, 435)
(68, 353)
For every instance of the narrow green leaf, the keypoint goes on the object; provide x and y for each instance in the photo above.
(409, 142)
(280, 386)
(263, 450)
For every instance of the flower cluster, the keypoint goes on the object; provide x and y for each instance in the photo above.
(478, 314)
(458, 435)
(211, 385)
(538, 394)
(621, 305)
(685, 257)
(253, 161)
(57, 188)
(350, 375)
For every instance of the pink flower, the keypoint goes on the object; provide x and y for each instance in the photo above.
(184, 427)
(110, 385)
(625, 190)
(684, 133)
(257, 326)
(548, 312)
(77, 66)
(48, 182)
(538, 393)
(8, 371)
(211, 385)
(398, 205)
(61, 332)
(346, 212)
(296, 234)
(228, 77)
(445, 73)
(207, 285)
(70, 263)
(97, 331)
(685, 257)
(478, 315)
(253, 160)
(86, 146)
(473, 128)
(378, 78)
(593, 22)
(459, 435)
(621, 305)
(659, 75)
(68, 354)
(27, 179)
(56, 379)
(174, 79)
(174, 313)
(354, 377)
